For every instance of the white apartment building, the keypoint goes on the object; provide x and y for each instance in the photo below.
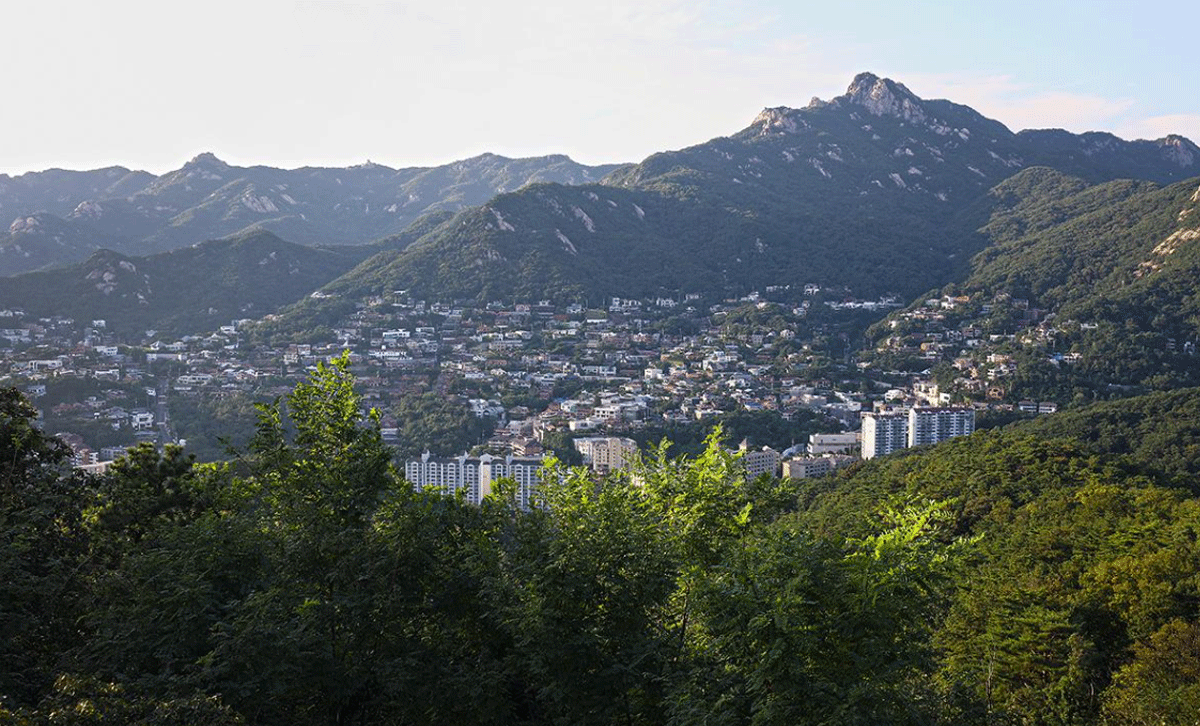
(606, 453)
(474, 476)
(883, 433)
(933, 425)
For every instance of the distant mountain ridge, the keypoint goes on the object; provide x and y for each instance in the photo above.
(876, 190)
(139, 213)
(190, 290)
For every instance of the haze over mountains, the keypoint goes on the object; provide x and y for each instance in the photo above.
(59, 217)
(876, 190)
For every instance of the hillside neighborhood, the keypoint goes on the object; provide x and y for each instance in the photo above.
(538, 374)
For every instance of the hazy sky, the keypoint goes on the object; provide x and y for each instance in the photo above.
(421, 82)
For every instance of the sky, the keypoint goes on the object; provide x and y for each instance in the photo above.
(148, 85)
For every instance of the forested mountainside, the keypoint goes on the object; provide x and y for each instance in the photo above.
(1024, 575)
(192, 290)
(1091, 286)
(876, 190)
(58, 217)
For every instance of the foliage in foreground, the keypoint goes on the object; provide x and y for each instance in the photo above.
(306, 583)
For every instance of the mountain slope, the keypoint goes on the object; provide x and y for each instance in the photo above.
(877, 190)
(1121, 278)
(190, 290)
(1088, 290)
(137, 213)
(42, 240)
(59, 191)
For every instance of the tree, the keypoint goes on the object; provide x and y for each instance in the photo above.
(141, 491)
(320, 471)
(792, 629)
(43, 545)
(1161, 687)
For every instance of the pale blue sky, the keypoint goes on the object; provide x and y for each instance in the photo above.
(150, 84)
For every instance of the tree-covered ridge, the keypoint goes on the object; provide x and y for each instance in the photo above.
(998, 578)
(191, 290)
(42, 240)
(1118, 272)
(1084, 292)
(1159, 431)
(1056, 241)
(1081, 568)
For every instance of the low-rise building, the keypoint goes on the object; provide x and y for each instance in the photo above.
(759, 461)
(606, 453)
(809, 467)
(831, 443)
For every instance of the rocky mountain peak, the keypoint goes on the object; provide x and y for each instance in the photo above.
(31, 223)
(885, 97)
(23, 224)
(206, 158)
(780, 119)
(1179, 150)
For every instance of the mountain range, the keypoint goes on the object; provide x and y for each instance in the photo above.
(877, 191)
(190, 290)
(60, 217)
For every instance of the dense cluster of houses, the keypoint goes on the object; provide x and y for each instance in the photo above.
(536, 368)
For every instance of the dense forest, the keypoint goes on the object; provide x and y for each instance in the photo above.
(1022, 575)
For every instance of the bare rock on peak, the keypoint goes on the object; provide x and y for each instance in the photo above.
(1179, 150)
(777, 121)
(885, 97)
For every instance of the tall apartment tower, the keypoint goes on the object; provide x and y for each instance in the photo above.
(933, 425)
(883, 433)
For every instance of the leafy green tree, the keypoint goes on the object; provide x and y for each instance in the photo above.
(592, 576)
(43, 546)
(141, 491)
(792, 629)
(295, 644)
(1161, 686)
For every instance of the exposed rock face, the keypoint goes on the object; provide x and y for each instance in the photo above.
(777, 120)
(883, 97)
(1179, 150)
(23, 224)
(87, 209)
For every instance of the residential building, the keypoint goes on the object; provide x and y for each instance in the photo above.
(933, 425)
(759, 461)
(474, 476)
(606, 453)
(831, 443)
(883, 433)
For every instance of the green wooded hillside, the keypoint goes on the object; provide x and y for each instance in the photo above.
(1013, 576)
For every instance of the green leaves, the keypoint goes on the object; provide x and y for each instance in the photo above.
(43, 546)
(999, 578)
